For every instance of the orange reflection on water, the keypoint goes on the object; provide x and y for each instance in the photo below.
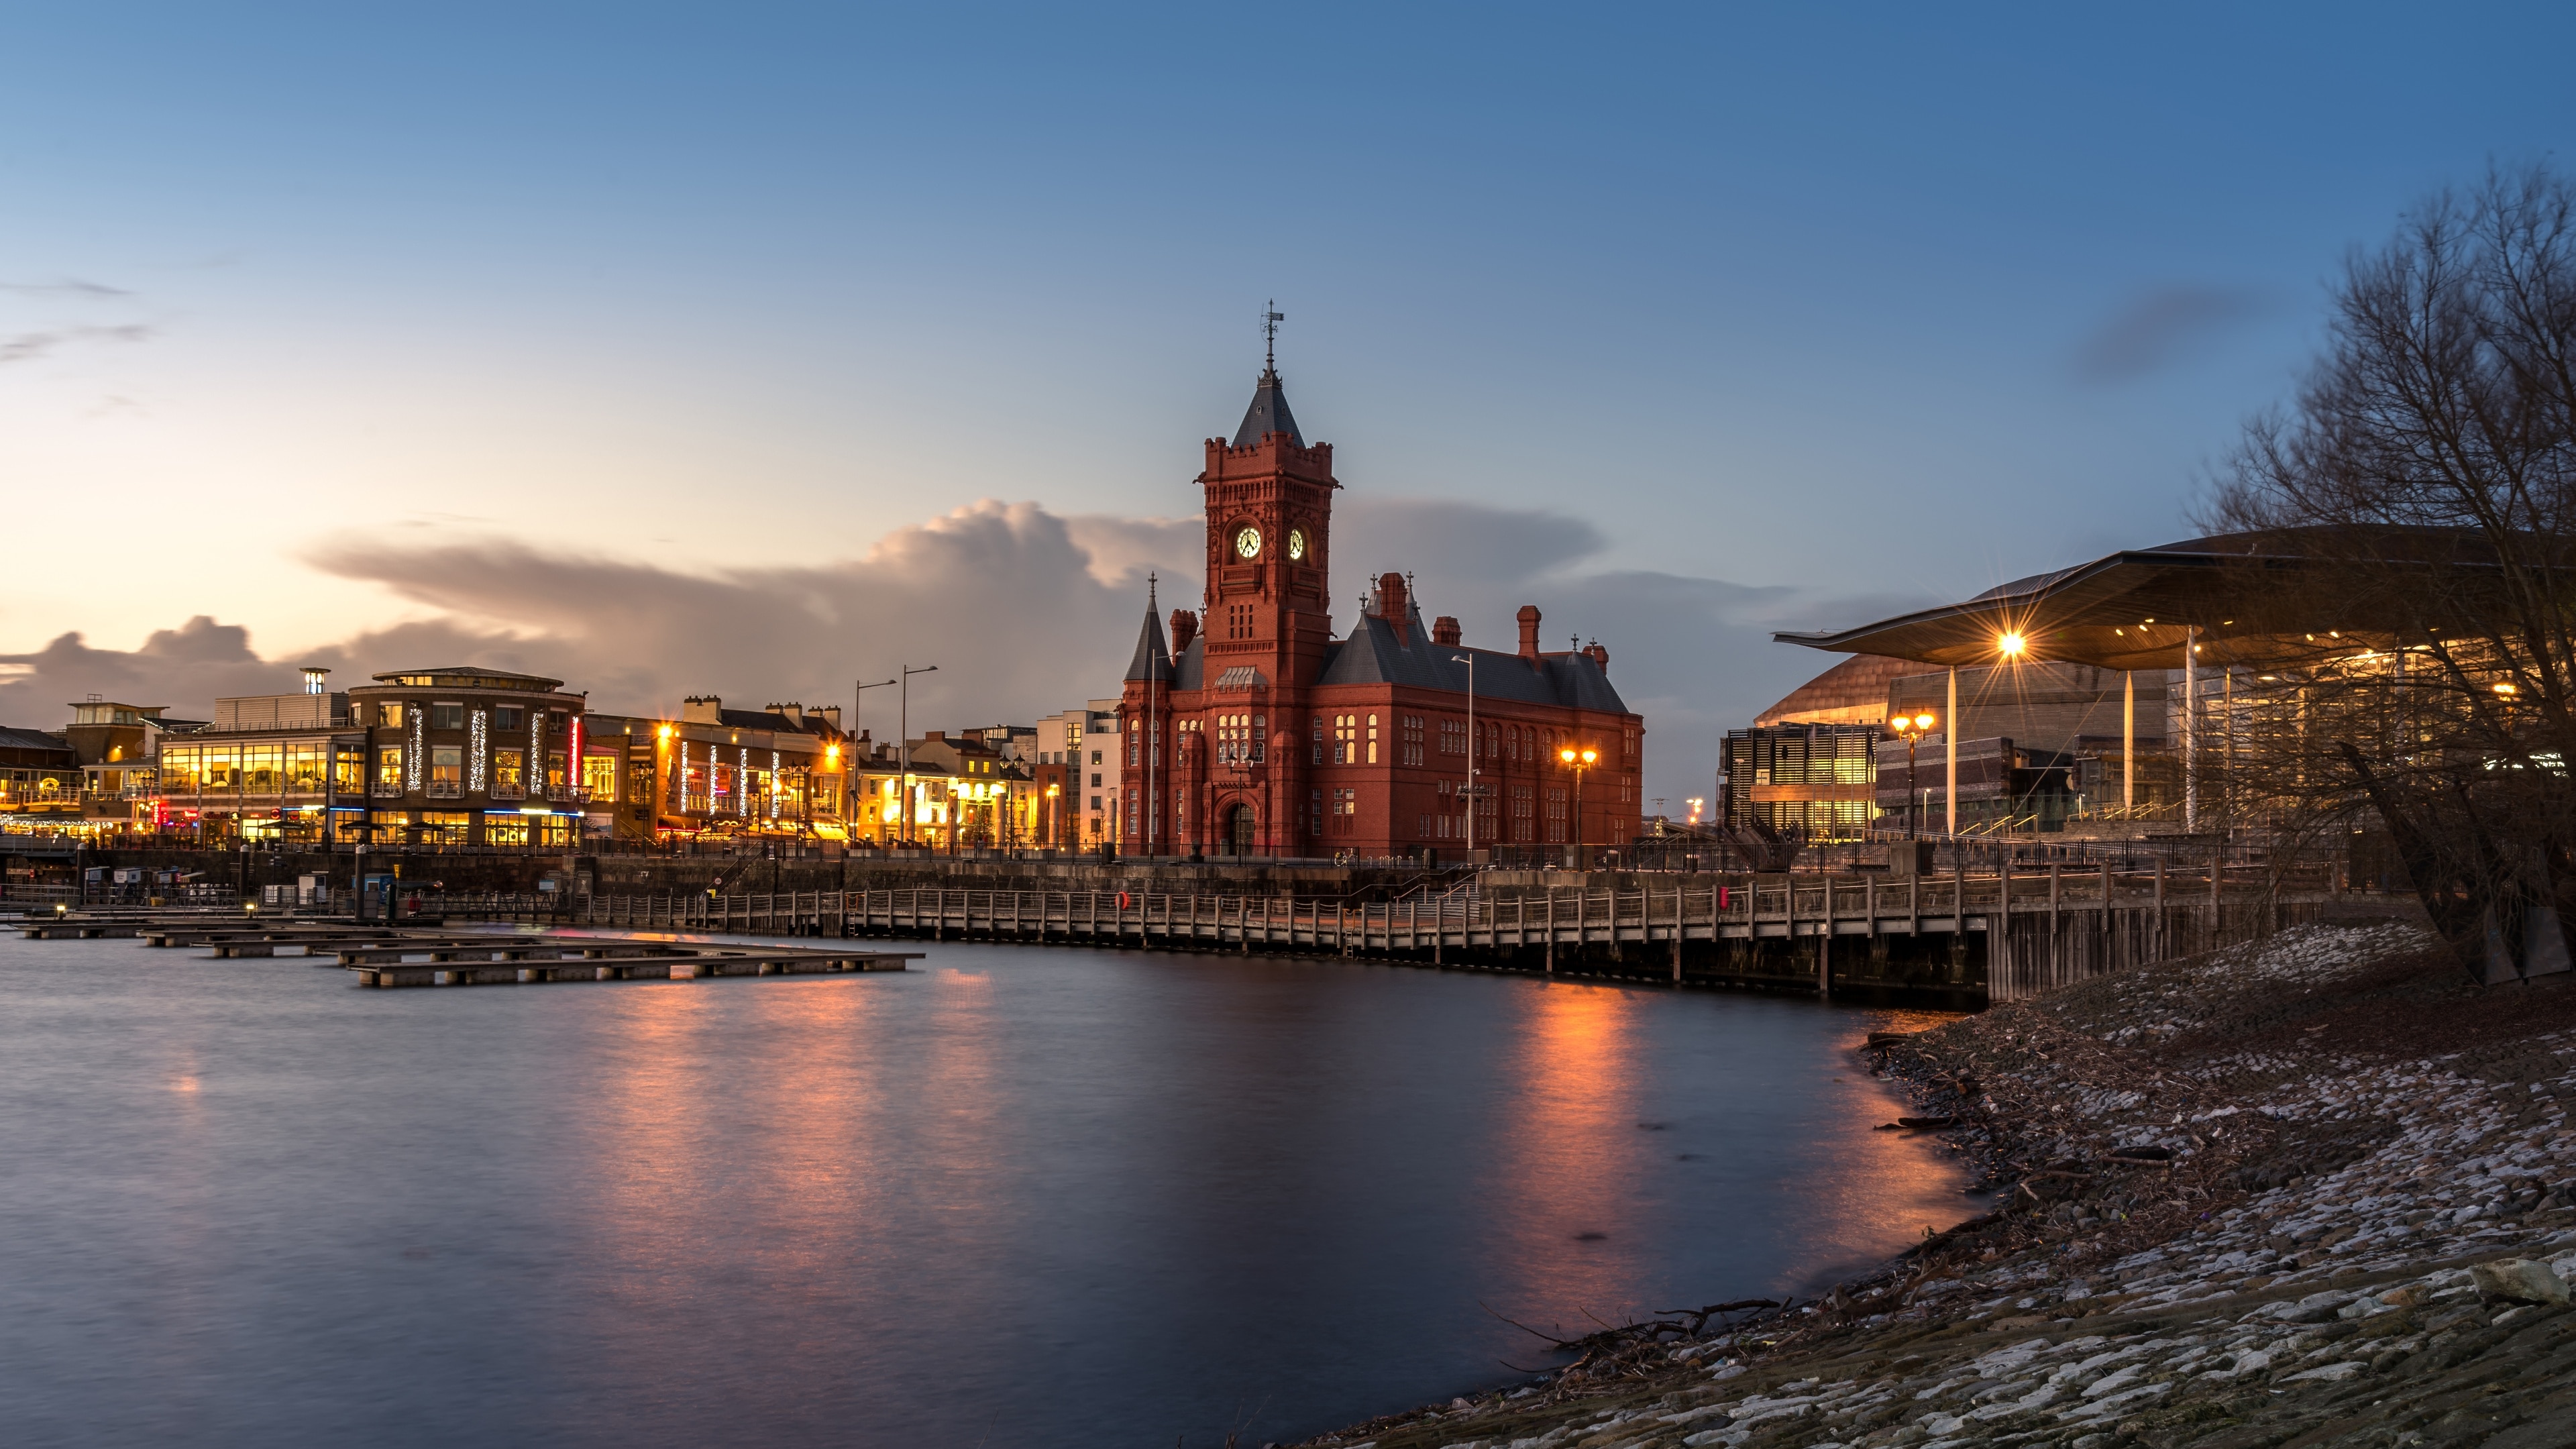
(1569, 1144)
(1880, 1190)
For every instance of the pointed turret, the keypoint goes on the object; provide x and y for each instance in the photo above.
(1153, 661)
(1268, 413)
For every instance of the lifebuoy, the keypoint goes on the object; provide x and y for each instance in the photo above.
(1122, 900)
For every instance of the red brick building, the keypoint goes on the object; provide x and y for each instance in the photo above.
(1253, 730)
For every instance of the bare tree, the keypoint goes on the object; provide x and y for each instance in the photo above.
(2419, 662)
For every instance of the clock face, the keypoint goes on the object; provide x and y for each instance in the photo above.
(1248, 543)
(1297, 544)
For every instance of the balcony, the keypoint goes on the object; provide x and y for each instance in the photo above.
(386, 790)
(512, 791)
(446, 789)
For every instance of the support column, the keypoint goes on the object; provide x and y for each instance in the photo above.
(2128, 743)
(1950, 747)
(1825, 959)
(2190, 732)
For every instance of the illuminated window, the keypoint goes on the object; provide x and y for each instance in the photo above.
(505, 830)
(1372, 739)
(599, 776)
(389, 768)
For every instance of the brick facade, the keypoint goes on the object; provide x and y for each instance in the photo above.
(1251, 729)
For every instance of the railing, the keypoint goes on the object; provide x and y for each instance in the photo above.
(2039, 931)
(385, 790)
(510, 792)
(446, 790)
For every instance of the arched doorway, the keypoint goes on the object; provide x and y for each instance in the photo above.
(1239, 830)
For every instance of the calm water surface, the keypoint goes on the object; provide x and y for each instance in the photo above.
(1017, 1197)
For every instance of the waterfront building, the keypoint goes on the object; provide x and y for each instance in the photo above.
(1816, 781)
(40, 776)
(287, 768)
(894, 806)
(119, 746)
(467, 756)
(782, 769)
(986, 789)
(2040, 747)
(1253, 729)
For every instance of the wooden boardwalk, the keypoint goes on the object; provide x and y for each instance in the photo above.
(2032, 930)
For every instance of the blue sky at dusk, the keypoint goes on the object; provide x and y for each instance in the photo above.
(526, 331)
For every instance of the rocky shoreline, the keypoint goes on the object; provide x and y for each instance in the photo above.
(2315, 1190)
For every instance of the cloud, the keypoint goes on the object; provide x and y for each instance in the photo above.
(67, 287)
(1025, 611)
(2160, 328)
(28, 346)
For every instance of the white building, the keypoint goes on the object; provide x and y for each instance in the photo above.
(1085, 742)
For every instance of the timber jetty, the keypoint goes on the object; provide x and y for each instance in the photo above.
(393, 956)
(2000, 935)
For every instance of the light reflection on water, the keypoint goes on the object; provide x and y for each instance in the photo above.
(1014, 1197)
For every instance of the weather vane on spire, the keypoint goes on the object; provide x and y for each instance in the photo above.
(1271, 317)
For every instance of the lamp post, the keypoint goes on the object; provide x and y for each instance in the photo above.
(903, 733)
(1578, 760)
(1912, 728)
(1475, 792)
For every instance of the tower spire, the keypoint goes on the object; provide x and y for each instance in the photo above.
(1271, 317)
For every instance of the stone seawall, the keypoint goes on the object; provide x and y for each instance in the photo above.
(2317, 1190)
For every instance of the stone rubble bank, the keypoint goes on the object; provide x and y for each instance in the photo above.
(2315, 1190)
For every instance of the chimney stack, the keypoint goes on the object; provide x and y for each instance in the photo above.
(1444, 632)
(1529, 632)
(1392, 606)
(1185, 627)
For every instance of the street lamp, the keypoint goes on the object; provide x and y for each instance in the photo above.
(1912, 728)
(1578, 760)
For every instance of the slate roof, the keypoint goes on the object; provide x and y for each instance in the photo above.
(1268, 413)
(1153, 659)
(1373, 655)
(761, 719)
(13, 738)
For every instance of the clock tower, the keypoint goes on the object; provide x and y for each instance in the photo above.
(1269, 506)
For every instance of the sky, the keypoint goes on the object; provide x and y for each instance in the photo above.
(755, 349)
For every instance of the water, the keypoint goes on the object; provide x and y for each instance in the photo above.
(1017, 1197)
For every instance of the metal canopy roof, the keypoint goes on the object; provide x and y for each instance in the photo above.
(2129, 610)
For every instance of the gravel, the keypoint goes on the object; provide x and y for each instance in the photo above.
(2346, 1215)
